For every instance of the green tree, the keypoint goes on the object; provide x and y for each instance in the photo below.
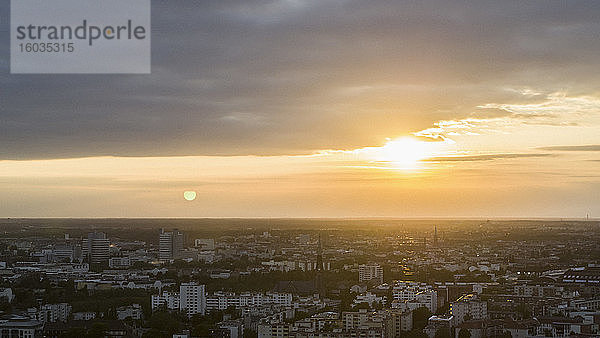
(464, 333)
(164, 322)
(233, 312)
(363, 305)
(74, 332)
(524, 310)
(420, 317)
(442, 333)
(97, 330)
(248, 333)
(415, 334)
(152, 333)
(347, 299)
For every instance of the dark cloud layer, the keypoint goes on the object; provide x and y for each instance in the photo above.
(285, 77)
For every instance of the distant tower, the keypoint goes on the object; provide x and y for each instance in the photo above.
(435, 238)
(318, 276)
(319, 254)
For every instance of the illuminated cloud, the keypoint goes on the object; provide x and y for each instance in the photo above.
(557, 109)
(487, 157)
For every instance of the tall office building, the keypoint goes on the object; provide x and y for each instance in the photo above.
(192, 298)
(96, 248)
(170, 244)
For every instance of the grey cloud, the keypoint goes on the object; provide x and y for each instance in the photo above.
(267, 77)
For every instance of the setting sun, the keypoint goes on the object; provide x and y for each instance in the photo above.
(405, 152)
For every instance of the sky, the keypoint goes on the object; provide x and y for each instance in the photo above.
(290, 108)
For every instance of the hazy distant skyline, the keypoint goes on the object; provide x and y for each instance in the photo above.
(319, 109)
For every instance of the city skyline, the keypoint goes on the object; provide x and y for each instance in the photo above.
(246, 278)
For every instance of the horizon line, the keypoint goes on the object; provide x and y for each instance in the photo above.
(414, 218)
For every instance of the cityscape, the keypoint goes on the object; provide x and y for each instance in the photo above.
(300, 278)
(299, 168)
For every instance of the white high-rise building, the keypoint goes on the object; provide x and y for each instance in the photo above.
(192, 298)
(368, 272)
